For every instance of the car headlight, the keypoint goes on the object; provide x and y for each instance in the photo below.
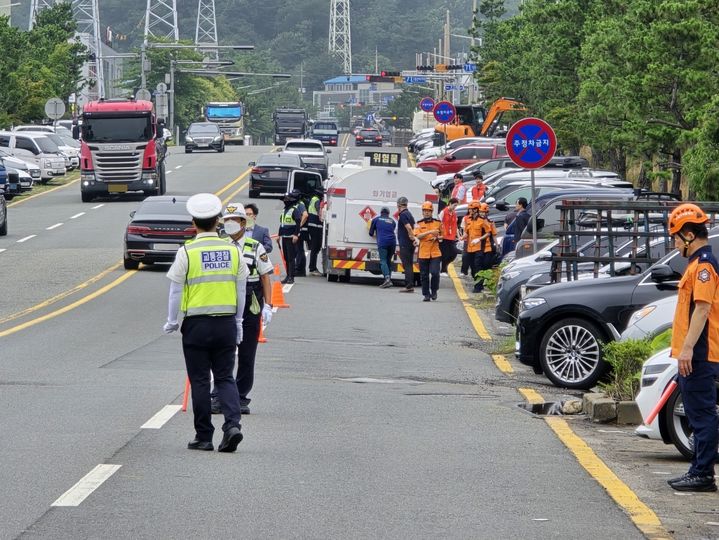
(640, 314)
(529, 303)
(506, 276)
(217, 139)
(653, 369)
(189, 139)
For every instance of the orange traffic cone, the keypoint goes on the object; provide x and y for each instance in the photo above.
(262, 338)
(278, 298)
(277, 269)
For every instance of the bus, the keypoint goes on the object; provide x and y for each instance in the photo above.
(229, 116)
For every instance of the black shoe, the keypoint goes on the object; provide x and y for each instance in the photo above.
(197, 444)
(434, 296)
(290, 281)
(284, 281)
(215, 407)
(678, 478)
(407, 289)
(425, 299)
(300, 274)
(244, 409)
(695, 483)
(230, 440)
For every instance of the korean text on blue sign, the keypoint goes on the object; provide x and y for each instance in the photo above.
(216, 260)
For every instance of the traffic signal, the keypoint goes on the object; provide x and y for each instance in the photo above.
(453, 67)
(390, 73)
(440, 67)
(383, 78)
(425, 68)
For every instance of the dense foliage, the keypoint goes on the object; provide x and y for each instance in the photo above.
(38, 65)
(634, 80)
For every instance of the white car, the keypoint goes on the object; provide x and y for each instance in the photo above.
(652, 319)
(32, 171)
(70, 152)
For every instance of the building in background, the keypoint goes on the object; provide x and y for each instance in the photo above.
(354, 90)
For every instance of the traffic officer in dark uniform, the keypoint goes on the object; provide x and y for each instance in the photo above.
(695, 343)
(289, 233)
(314, 223)
(258, 309)
(300, 257)
(208, 281)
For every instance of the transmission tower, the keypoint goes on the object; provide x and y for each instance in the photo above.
(35, 7)
(161, 20)
(340, 42)
(206, 30)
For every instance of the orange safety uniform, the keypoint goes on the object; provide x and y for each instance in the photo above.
(449, 224)
(473, 228)
(429, 245)
(478, 190)
(487, 245)
(700, 283)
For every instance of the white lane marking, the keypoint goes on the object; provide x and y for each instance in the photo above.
(51, 227)
(87, 484)
(161, 418)
(98, 206)
(287, 287)
(26, 238)
(2, 249)
(77, 215)
(178, 167)
(169, 172)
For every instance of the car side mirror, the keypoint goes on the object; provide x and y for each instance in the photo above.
(132, 214)
(547, 257)
(540, 224)
(252, 164)
(491, 200)
(662, 272)
(501, 205)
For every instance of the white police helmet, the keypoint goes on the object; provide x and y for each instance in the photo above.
(234, 210)
(204, 206)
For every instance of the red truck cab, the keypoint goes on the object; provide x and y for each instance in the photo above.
(119, 149)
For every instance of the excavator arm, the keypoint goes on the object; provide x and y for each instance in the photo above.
(497, 109)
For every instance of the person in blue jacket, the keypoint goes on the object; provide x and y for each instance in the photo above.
(382, 227)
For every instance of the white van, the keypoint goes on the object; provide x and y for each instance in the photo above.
(35, 148)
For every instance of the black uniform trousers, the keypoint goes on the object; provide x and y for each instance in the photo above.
(406, 255)
(209, 344)
(315, 246)
(449, 252)
(300, 257)
(289, 252)
(429, 272)
(247, 350)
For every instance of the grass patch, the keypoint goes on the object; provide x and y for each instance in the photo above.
(55, 182)
(505, 345)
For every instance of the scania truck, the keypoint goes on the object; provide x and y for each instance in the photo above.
(121, 149)
(229, 117)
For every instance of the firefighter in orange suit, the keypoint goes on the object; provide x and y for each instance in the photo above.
(695, 343)
(428, 234)
(473, 233)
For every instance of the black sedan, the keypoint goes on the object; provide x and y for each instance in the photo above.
(368, 137)
(156, 230)
(271, 172)
(204, 136)
(561, 327)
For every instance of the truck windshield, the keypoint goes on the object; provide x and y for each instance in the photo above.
(117, 129)
(223, 112)
(290, 119)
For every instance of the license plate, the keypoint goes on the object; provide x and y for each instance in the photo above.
(117, 188)
(166, 247)
(373, 255)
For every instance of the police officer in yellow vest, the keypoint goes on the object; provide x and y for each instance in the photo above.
(258, 309)
(208, 282)
(315, 227)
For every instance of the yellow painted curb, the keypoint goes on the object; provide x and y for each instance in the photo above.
(503, 364)
(474, 317)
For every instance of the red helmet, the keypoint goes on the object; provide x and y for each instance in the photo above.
(683, 214)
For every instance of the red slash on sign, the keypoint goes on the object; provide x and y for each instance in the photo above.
(367, 214)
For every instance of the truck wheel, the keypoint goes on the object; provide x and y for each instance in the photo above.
(254, 193)
(130, 264)
(188, 150)
(8, 196)
(86, 197)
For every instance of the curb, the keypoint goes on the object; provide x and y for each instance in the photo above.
(602, 409)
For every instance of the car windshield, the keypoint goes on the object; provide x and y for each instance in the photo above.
(117, 129)
(208, 129)
(287, 160)
(46, 145)
(54, 137)
(69, 141)
(303, 146)
(164, 208)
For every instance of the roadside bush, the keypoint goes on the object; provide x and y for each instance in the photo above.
(661, 341)
(626, 359)
(490, 277)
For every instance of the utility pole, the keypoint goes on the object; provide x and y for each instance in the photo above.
(472, 80)
(206, 29)
(161, 20)
(87, 15)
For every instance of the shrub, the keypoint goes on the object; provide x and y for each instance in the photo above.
(626, 359)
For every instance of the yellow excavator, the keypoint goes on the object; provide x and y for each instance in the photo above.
(476, 121)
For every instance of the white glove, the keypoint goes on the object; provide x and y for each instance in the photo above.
(416, 242)
(266, 314)
(239, 331)
(475, 241)
(170, 327)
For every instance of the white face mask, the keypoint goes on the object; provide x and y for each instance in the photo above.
(232, 227)
(250, 223)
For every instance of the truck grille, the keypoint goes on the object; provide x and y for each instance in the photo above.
(115, 166)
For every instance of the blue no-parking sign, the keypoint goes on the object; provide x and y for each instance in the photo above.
(531, 143)
(427, 104)
(444, 112)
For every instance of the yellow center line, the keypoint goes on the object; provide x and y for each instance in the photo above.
(25, 199)
(502, 364)
(347, 140)
(229, 197)
(69, 307)
(474, 317)
(235, 181)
